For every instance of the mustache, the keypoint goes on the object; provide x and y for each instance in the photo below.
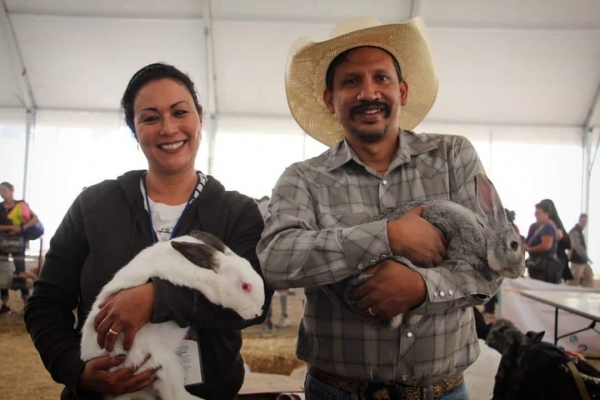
(365, 105)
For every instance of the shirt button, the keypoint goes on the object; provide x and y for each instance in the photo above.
(404, 377)
(360, 266)
(384, 182)
(434, 294)
(383, 257)
(409, 334)
(450, 292)
(442, 293)
(373, 262)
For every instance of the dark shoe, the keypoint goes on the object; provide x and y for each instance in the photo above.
(5, 309)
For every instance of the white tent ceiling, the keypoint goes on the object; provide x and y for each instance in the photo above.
(516, 62)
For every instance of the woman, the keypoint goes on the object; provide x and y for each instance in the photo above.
(109, 223)
(564, 241)
(15, 218)
(541, 246)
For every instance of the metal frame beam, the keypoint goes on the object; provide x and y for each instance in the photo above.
(415, 8)
(211, 113)
(26, 92)
(18, 64)
(588, 159)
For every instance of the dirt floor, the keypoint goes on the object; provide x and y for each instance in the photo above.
(24, 377)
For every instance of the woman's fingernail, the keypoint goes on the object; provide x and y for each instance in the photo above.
(121, 357)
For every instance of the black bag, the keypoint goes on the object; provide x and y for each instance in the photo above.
(34, 232)
(545, 268)
(532, 369)
(12, 244)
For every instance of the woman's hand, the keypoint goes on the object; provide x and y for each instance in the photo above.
(14, 230)
(96, 376)
(124, 313)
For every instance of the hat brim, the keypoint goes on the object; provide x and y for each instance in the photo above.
(308, 63)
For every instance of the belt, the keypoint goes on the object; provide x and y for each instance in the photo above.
(386, 391)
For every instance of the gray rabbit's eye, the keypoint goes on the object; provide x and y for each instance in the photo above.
(514, 245)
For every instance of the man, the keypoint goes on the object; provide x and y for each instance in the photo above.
(580, 263)
(355, 92)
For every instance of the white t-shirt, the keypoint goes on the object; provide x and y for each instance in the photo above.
(164, 218)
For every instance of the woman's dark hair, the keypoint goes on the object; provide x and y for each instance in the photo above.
(149, 73)
(553, 213)
(8, 185)
(547, 208)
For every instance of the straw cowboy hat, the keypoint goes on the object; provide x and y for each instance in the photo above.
(308, 63)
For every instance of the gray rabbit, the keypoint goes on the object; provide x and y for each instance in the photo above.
(484, 240)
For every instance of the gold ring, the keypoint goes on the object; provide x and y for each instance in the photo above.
(371, 312)
(112, 332)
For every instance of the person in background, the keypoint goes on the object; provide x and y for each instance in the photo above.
(541, 244)
(15, 218)
(580, 262)
(511, 216)
(564, 242)
(111, 222)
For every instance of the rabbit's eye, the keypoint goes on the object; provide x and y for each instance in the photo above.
(246, 287)
(514, 245)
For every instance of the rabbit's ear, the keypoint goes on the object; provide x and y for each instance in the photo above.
(198, 253)
(210, 240)
(488, 199)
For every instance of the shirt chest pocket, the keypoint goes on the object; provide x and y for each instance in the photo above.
(342, 220)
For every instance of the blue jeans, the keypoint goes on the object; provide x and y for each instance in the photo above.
(318, 390)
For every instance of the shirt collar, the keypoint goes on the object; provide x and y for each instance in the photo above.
(410, 144)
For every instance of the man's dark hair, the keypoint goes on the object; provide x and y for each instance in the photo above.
(342, 57)
(149, 73)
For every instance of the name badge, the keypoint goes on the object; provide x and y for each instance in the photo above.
(189, 358)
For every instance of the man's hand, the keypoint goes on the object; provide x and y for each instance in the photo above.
(124, 312)
(393, 289)
(96, 376)
(415, 238)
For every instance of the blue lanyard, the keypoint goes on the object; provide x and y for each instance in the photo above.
(154, 237)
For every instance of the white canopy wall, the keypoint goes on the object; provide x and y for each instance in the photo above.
(512, 72)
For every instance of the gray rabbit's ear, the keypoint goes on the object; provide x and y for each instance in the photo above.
(210, 240)
(488, 199)
(199, 254)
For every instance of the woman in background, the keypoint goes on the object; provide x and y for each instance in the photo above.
(15, 218)
(541, 245)
(564, 241)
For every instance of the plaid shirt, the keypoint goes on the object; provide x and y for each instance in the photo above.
(316, 236)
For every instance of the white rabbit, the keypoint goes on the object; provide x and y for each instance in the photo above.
(484, 240)
(201, 262)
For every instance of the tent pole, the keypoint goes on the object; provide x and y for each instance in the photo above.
(211, 113)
